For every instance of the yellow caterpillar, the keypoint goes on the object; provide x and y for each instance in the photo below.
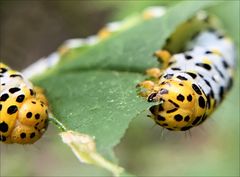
(23, 109)
(193, 81)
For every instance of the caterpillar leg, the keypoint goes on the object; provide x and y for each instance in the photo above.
(147, 87)
(154, 73)
(163, 56)
(150, 85)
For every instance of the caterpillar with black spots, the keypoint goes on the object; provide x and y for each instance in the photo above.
(23, 109)
(193, 81)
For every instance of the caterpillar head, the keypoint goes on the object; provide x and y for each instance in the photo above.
(182, 104)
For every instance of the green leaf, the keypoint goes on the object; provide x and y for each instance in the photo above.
(94, 92)
(98, 103)
(132, 50)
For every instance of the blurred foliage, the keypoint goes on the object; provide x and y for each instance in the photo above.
(123, 8)
(43, 26)
(229, 13)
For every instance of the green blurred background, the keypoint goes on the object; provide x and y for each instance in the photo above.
(32, 29)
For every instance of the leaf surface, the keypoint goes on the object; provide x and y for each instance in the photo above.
(94, 92)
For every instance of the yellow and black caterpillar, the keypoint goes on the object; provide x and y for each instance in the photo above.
(191, 83)
(23, 108)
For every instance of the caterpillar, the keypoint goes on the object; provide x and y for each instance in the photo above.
(193, 81)
(23, 108)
